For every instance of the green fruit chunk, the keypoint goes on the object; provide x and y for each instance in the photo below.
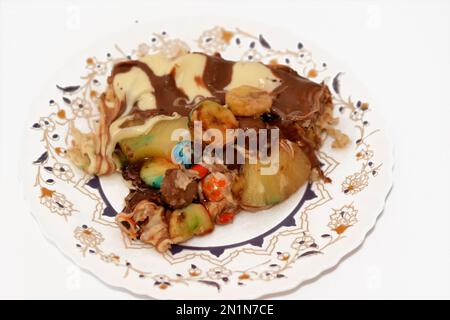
(153, 170)
(189, 221)
(266, 190)
(157, 143)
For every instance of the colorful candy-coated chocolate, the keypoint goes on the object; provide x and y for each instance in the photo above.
(201, 170)
(182, 153)
(215, 186)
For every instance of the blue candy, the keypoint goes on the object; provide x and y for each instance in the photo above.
(182, 153)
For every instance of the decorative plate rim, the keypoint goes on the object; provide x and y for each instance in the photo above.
(332, 260)
(357, 243)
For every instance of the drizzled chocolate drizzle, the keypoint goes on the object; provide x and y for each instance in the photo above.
(295, 99)
(217, 75)
(166, 91)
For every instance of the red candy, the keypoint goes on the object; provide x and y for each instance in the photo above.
(201, 170)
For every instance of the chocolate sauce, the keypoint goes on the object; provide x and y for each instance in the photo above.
(251, 123)
(136, 196)
(297, 97)
(217, 75)
(165, 89)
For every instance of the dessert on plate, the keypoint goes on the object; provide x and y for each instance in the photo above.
(171, 125)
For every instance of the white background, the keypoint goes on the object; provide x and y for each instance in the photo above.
(399, 49)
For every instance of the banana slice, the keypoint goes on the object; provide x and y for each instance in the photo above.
(214, 116)
(248, 101)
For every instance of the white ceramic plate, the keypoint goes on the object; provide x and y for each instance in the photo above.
(260, 253)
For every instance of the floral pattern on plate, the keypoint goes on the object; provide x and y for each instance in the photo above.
(325, 227)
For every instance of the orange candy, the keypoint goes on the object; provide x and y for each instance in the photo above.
(214, 186)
